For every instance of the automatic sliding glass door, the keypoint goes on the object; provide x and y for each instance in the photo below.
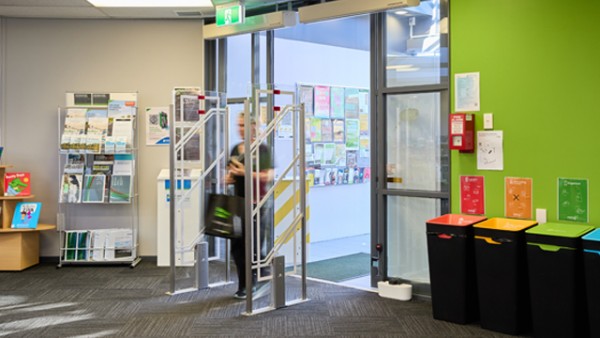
(412, 153)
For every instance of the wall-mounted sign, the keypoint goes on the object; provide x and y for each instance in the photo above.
(573, 199)
(229, 14)
(518, 199)
(472, 195)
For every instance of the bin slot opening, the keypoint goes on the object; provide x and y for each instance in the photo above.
(488, 240)
(443, 235)
(549, 247)
(592, 251)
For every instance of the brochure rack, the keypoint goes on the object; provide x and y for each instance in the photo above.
(98, 201)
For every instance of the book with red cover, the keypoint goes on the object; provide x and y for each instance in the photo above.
(17, 184)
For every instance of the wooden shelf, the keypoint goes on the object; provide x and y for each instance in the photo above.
(40, 227)
(20, 248)
(9, 198)
(9, 204)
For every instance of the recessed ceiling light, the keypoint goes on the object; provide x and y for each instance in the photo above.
(401, 12)
(151, 3)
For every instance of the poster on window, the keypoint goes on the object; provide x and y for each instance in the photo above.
(364, 124)
(305, 95)
(315, 130)
(352, 102)
(337, 103)
(363, 101)
(352, 134)
(326, 131)
(518, 201)
(322, 101)
(340, 155)
(338, 131)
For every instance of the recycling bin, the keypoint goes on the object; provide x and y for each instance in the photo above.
(591, 262)
(452, 267)
(501, 266)
(556, 281)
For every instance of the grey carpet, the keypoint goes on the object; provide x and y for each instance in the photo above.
(117, 301)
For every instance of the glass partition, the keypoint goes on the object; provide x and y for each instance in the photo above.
(416, 46)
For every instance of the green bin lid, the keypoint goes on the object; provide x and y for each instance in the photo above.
(505, 224)
(560, 230)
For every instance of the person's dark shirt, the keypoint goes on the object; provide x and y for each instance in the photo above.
(265, 164)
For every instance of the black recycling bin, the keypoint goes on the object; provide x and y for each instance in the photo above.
(452, 267)
(556, 282)
(591, 262)
(501, 264)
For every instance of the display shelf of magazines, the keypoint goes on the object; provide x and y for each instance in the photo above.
(98, 200)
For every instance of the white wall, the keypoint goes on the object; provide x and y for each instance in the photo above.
(45, 58)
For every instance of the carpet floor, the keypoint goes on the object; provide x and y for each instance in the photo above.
(117, 301)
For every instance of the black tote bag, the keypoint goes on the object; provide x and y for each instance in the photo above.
(224, 216)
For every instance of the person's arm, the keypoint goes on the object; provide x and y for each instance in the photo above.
(236, 168)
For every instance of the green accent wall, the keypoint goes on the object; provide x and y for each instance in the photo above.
(539, 64)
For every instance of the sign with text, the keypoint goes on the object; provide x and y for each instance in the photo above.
(518, 197)
(472, 196)
(573, 199)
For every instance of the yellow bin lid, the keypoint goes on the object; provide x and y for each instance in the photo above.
(505, 224)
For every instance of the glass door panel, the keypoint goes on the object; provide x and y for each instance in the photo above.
(407, 240)
(414, 152)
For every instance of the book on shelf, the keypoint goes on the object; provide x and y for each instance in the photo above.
(27, 215)
(94, 188)
(122, 131)
(73, 132)
(70, 245)
(71, 188)
(83, 244)
(119, 245)
(17, 184)
(120, 189)
(75, 164)
(98, 243)
(121, 108)
(123, 164)
(77, 245)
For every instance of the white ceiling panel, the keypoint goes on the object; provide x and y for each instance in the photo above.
(51, 12)
(163, 12)
(46, 3)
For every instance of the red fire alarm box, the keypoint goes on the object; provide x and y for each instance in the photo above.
(462, 132)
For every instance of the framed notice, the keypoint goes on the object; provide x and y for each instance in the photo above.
(573, 199)
(518, 197)
(472, 195)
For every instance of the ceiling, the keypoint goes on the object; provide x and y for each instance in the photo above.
(81, 9)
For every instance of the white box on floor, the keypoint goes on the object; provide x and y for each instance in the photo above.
(395, 291)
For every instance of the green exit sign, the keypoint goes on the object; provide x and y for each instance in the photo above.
(230, 14)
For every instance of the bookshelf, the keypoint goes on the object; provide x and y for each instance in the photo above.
(19, 248)
(98, 201)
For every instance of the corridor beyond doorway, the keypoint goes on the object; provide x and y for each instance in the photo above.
(342, 247)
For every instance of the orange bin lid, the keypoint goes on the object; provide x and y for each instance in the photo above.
(456, 220)
(506, 224)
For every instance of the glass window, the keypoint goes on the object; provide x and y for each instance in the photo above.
(417, 158)
(239, 52)
(416, 45)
